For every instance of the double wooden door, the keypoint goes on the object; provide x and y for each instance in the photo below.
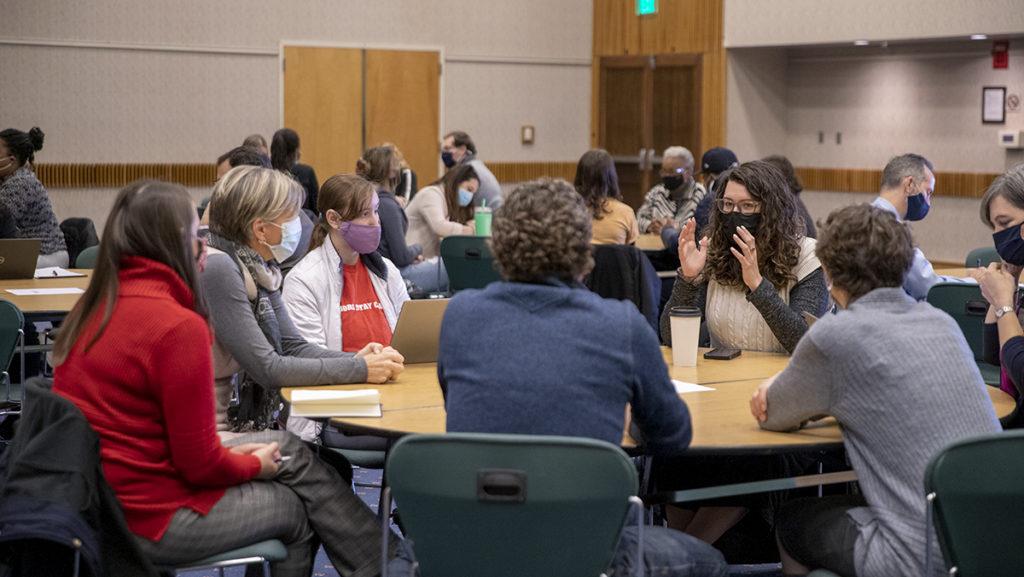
(647, 104)
(344, 100)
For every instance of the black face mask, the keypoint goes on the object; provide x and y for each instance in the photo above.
(735, 219)
(671, 182)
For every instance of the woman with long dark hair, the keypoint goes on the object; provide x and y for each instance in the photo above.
(24, 197)
(135, 356)
(285, 153)
(598, 183)
(754, 273)
(442, 208)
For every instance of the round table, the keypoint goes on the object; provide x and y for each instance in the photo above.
(721, 418)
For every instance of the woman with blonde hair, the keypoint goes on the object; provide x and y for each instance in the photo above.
(253, 225)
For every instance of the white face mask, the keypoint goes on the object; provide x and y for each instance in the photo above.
(291, 234)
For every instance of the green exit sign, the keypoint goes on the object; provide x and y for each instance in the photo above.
(645, 7)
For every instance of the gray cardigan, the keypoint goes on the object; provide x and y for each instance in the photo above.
(241, 346)
(902, 382)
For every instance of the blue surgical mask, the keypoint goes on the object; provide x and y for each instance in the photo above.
(291, 234)
(465, 197)
(1010, 245)
(917, 207)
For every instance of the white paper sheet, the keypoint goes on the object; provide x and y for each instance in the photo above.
(56, 272)
(45, 292)
(684, 387)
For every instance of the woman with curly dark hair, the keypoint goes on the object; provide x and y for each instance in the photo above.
(498, 373)
(754, 273)
(24, 199)
(598, 184)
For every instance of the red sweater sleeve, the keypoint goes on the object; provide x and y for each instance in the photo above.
(183, 371)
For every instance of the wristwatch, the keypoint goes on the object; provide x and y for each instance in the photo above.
(1002, 311)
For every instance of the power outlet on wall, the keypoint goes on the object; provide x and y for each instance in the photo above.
(821, 137)
(839, 138)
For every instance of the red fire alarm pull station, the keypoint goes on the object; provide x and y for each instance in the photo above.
(1001, 54)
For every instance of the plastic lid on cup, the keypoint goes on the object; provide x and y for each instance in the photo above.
(684, 312)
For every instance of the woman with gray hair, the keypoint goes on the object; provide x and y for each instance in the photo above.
(672, 201)
(254, 224)
(499, 374)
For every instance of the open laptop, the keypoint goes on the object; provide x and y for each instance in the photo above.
(18, 257)
(418, 331)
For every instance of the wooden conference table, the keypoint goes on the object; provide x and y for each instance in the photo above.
(46, 304)
(721, 418)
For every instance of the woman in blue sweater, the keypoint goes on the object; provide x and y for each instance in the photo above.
(539, 354)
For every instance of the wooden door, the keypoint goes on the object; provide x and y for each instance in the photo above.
(623, 126)
(646, 104)
(403, 104)
(323, 103)
(676, 106)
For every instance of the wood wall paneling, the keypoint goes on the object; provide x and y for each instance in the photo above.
(956, 184)
(403, 106)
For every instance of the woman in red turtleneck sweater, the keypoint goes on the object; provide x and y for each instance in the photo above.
(135, 356)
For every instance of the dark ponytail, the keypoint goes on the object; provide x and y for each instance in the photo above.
(23, 145)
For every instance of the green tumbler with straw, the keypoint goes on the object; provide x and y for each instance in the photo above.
(482, 219)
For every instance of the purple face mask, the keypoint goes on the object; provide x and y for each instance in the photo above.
(363, 238)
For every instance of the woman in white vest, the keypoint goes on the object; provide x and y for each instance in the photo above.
(344, 295)
(753, 273)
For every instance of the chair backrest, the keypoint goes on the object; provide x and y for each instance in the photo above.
(11, 321)
(979, 504)
(965, 304)
(624, 272)
(87, 258)
(79, 234)
(985, 255)
(469, 262)
(511, 505)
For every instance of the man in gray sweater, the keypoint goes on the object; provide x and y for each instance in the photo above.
(899, 377)
(458, 148)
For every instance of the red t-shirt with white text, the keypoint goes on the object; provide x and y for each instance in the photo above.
(362, 317)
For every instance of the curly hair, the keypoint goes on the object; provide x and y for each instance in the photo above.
(542, 230)
(777, 238)
(863, 248)
(597, 181)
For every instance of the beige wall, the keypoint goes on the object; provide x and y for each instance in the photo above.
(794, 22)
(921, 99)
(183, 81)
(111, 81)
(756, 119)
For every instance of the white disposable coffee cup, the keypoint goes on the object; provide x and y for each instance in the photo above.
(685, 334)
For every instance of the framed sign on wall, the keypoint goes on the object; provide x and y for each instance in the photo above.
(993, 105)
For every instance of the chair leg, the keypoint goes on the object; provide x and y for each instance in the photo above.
(928, 522)
(640, 513)
(385, 531)
(266, 568)
(220, 572)
(78, 561)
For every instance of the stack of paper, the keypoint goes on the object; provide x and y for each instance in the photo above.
(324, 403)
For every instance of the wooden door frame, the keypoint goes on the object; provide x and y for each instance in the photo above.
(365, 46)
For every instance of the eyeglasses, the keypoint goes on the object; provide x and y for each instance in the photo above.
(727, 206)
(673, 172)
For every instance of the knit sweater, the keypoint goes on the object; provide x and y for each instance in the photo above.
(540, 359)
(902, 382)
(146, 389)
(26, 199)
(429, 221)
